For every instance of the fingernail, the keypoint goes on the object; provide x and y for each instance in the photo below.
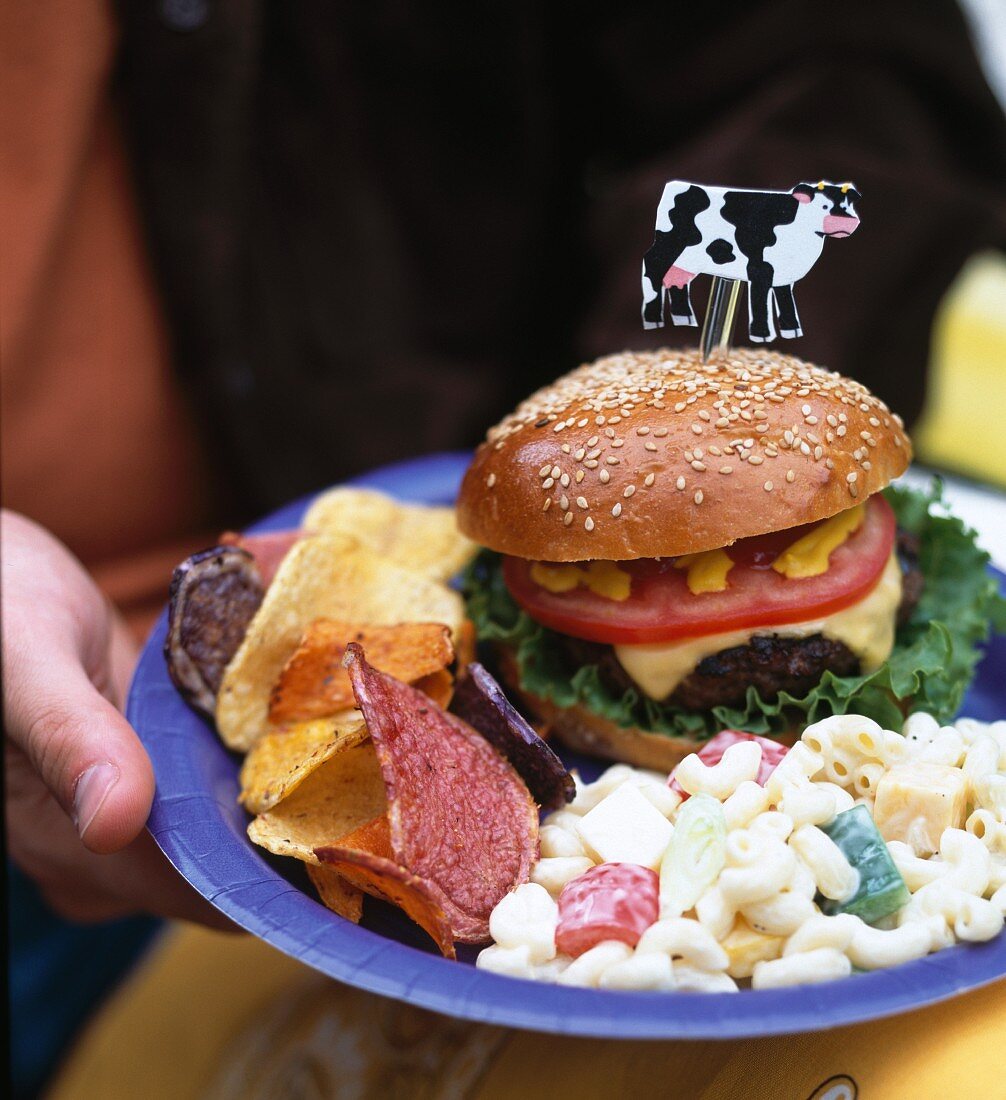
(93, 786)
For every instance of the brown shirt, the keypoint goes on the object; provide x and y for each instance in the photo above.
(97, 444)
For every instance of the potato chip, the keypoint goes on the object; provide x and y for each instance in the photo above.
(423, 539)
(385, 879)
(313, 682)
(284, 758)
(321, 577)
(336, 893)
(373, 837)
(344, 793)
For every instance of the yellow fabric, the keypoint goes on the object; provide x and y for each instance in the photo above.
(966, 406)
(223, 1017)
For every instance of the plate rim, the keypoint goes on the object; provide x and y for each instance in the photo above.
(269, 906)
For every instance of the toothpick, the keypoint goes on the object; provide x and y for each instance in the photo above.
(721, 310)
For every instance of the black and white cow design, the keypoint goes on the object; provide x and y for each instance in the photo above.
(769, 239)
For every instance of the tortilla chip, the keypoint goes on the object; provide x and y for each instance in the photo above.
(439, 686)
(313, 682)
(390, 882)
(283, 759)
(423, 539)
(460, 817)
(321, 577)
(336, 893)
(344, 793)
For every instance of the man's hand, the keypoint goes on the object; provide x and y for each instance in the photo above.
(79, 783)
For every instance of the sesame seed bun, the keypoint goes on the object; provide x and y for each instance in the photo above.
(657, 454)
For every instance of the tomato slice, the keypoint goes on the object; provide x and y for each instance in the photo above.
(661, 607)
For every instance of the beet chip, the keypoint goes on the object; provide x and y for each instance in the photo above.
(268, 550)
(479, 701)
(460, 817)
(214, 595)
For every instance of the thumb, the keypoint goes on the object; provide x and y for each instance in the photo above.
(83, 749)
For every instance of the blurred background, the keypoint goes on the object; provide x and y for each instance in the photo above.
(252, 248)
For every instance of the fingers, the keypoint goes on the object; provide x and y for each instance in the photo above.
(57, 637)
(81, 886)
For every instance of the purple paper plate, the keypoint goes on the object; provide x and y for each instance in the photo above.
(199, 825)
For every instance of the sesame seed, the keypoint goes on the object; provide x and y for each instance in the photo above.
(564, 480)
(548, 483)
(582, 423)
(564, 448)
(704, 415)
(616, 511)
(643, 431)
(609, 432)
(618, 443)
(649, 479)
(592, 442)
(579, 454)
(698, 498)
(588, 523)
(594, 453)
(579, 476)
(581, 502)
(790, 476)
(805, 409)
(680, 407)
(567, 519)
(543, 472)
(700, 466)
(851, 477)
(605, 477)
(564, 502)
(628, 491)
(490, 481)
(660, 433)
(591, 463)
(558, 427)
(650, 446)
(680, 484)
(818, 451)
(804, 447)
(840, 430)
(612, 460)
(768, 486)
(547, 505)
(755, 460)
(854, 490)
(555, 471)
(697, 429)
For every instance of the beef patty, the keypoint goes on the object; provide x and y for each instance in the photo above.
(768, 662)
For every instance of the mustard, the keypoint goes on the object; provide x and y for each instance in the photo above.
(603, 578)
(808, 556)
(707, 572)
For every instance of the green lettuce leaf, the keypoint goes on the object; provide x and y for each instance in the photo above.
(930, 668)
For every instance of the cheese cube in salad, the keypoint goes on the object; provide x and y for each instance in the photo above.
(917, 801)
(625, 827)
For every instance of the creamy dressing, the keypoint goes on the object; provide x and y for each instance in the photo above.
(867, 628)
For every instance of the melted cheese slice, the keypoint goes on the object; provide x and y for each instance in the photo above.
(867, 628)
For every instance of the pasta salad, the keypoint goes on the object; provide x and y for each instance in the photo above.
(858, 848)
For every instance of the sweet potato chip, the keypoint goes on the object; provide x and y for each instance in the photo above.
(460, 817)
(313, 682)
(344, 793)
(465, 644)
(373, 837)
(284, 758)
(385, 879)
(321, 577)
(423, 539)
(336, 893)
(439, 686)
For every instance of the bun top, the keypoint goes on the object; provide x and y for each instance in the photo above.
(657, 454)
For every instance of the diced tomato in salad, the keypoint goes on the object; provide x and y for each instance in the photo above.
(612, 901)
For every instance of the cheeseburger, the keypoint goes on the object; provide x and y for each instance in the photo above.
(674, 547)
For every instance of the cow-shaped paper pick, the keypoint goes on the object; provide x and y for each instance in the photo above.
(768, 239)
